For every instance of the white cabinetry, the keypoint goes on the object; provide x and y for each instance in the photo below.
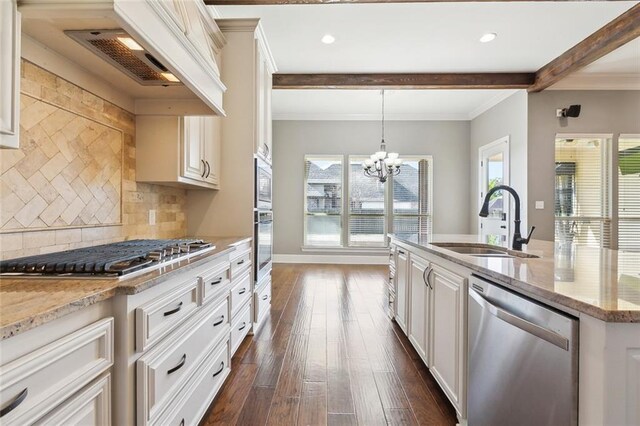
(447, 333)
(402, 289)
(431, 309)
(180, 151)
(47, 383)
(9, 74)
(419, 310)
(264, 83)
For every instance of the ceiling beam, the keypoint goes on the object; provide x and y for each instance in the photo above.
(404, 81)
(621, 30)
(288, 2)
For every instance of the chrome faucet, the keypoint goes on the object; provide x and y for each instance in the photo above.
(518, 240)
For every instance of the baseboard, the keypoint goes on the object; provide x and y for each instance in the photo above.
(341, 259)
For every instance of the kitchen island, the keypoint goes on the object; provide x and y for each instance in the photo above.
(599, 287)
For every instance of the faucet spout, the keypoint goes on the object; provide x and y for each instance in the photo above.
(518, 240)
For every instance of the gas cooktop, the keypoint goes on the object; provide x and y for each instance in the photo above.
(108, 260)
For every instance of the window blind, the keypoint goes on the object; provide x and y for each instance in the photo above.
(629, 194)
(323, 201)
(581, 192)
(411, 197)
(366, 207)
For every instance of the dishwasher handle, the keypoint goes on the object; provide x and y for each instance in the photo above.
(538, 331)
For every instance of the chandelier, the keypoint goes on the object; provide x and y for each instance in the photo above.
(381, 164)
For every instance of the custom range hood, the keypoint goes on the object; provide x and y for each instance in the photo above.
(147, 49)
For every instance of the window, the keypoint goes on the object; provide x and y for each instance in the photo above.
(411, 197)
(581, 191)
(629, 193)
(366, 207)
(402, 205)
(323, 201)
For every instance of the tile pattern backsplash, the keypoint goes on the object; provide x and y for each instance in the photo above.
(68, 171)
(75, 173)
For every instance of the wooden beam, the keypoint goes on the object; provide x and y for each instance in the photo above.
(621, 30)
(404, 81)
(288, 2)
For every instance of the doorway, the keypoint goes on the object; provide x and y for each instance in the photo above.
(494, 171)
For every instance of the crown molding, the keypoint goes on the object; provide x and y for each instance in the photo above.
(598, 81)
(490, 103)
(296, 116)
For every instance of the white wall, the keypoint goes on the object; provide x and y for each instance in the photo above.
(508, 118)
(446, 141)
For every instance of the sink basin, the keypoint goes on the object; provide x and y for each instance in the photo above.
(483, 250)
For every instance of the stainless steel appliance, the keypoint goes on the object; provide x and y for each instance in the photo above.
(107, 260)
(263, 184)
(264, 243)
(523, 360)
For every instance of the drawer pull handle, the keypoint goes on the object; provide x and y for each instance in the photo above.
(182, 422)
(173, 311)
(243, 291)
(215, 324)
(265, 297)
(219, 371)
(218, 281)
(401, 252)
(240, 263)
(244, 324)
(179, 366)
(14, 404)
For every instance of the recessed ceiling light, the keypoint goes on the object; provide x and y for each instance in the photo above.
(486, 38)
(170, 77)
(328, 39)
(130, 43)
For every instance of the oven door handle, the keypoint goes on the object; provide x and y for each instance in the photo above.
(265, 222)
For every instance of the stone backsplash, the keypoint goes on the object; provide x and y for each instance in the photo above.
(72, 182)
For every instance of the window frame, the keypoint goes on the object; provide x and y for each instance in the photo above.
(305, 213)
(618, 218)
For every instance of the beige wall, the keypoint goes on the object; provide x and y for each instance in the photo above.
(508, 118)
(603, 112)
(446, 141)
(31, 182)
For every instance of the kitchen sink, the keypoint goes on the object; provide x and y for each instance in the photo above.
(483, 250)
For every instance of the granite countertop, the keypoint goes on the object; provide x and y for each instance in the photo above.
(26, 303)
(601, 283)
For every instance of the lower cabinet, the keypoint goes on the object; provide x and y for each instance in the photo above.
(420, 307)
(402, 289)
(50, 385)
(431, 309)
(447, 333)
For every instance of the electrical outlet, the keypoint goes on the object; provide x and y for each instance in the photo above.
(152, 217)
(539, 205)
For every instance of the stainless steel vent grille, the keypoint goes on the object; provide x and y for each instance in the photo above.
(123, 56)
(138, 64)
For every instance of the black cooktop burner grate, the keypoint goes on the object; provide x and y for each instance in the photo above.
(108, 259)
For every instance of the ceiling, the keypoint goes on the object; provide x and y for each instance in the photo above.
(399, 104)
(426, 37)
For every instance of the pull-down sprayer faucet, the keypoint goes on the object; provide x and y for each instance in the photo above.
(518, 241)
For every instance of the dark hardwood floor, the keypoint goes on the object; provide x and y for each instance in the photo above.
(328, 354)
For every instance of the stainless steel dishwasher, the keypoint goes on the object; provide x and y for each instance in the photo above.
(523, 360)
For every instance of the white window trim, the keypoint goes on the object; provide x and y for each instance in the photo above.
(429, 159)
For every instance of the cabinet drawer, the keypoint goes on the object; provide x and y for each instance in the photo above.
(91, 406)
(240, 264)
(240, 249)
(215, 282)
(201, 389)
(40, 381)
(162, 371)
(239, 328)
(240, 292)
(158, 317)
(263, 301)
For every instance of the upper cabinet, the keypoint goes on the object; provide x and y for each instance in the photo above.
(247, 58)
(9, 75)
(178, 151)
